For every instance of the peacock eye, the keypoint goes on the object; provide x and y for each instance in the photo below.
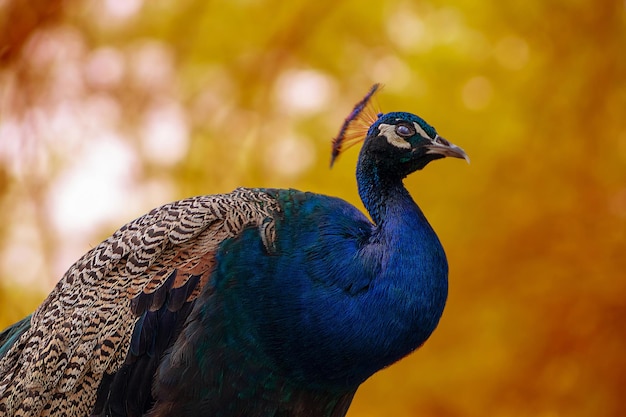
(405, 130)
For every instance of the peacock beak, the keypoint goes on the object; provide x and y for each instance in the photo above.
(441, 146)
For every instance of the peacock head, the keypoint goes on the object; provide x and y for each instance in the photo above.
(397, 142)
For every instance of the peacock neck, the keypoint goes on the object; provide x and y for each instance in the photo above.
(412, 283)
(384, 195)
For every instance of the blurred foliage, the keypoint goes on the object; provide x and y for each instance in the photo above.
(111, 107)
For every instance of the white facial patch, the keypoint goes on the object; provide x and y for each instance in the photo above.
(421, 131)
(389, 131)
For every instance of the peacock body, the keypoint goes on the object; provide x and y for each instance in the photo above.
(260, 302)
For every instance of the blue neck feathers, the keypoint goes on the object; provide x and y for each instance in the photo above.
(411, 289)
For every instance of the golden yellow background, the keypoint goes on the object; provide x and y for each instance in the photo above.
(111, 107)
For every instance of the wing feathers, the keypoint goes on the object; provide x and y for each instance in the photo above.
(83, 329)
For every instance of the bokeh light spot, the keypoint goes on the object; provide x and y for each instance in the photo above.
(104, 67)
(90, 190)
(477, 93)
(303, 91)
(392, 72)
(290, 156)
(512, 52)
(406, 29)
(165, 134)
(151, 65)
(122, 9)
(63, 43)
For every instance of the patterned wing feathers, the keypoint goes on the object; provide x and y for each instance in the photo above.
(83, 328)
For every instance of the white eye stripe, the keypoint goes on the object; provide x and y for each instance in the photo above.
(389, 131)
(421, 131)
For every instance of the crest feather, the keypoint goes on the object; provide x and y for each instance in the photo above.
(355, 127)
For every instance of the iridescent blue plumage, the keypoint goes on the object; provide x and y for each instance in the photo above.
(297, 311)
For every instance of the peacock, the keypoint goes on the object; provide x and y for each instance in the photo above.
(259, 302)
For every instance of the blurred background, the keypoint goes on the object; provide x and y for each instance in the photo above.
(111, 107)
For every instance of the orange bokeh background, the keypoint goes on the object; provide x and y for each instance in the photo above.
(111, 107)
